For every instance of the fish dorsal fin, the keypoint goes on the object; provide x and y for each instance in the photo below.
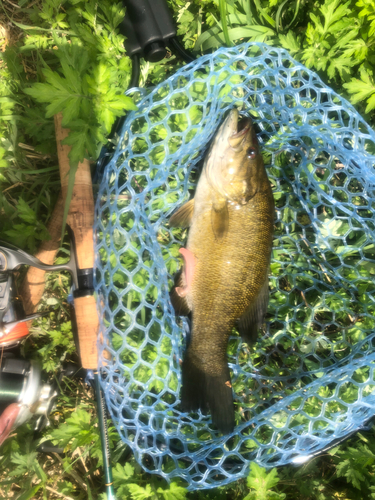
(252, 320)
(179, 301)
(220, 219)
(183, 216)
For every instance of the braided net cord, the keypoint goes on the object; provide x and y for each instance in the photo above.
(309, 380)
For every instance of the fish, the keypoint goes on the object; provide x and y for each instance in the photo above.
(224, 282)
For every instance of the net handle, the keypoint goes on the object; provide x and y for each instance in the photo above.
(33, 285)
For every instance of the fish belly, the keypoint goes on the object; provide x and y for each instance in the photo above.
(230, 272)
(228, 277)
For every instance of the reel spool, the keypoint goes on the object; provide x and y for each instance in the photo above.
(23, 395)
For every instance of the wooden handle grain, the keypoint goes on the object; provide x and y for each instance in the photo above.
(81, 220)
(81, 211)
(33, 285)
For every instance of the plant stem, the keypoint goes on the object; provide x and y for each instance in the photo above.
(58, 494)
(223, 17)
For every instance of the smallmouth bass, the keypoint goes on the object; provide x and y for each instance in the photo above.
(224, 282)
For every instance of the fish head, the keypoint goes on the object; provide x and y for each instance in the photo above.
(234, 166)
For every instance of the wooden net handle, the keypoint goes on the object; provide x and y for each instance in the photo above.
(81, 220)
(81, 211)
(33, 285)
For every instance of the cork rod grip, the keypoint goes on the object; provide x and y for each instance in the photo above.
(87, 326)
(81, 220)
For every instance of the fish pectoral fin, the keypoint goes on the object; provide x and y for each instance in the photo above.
(252, 320)
(183, 216)
(178, 295)
(220, 219)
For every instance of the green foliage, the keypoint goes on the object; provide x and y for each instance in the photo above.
(92, 64)
(58, 342)
(368, 13)
(356, 465)
(68, 56)
(333, 37)
(77, 430)
(174, 492)
(362, 90)
(29, 230)
(127, 484)
(261, 483)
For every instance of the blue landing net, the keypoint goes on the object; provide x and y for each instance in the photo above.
(309, 381)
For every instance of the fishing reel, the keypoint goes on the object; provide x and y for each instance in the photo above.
(23, 394)
(13, 319)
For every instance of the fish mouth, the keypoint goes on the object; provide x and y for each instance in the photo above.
(243, 126)
(232, 132)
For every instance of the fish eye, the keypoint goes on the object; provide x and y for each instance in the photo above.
(251, 153)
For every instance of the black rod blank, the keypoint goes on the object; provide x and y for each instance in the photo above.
(147, 26)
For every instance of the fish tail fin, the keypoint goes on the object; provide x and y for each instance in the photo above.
(201, 390)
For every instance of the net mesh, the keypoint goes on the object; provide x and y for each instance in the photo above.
(309, 380)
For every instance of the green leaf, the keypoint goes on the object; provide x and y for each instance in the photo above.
(139, 493)
(25, 463)
(99, 81)
(77, 140)
(223, 18)
(344, 40)
(333, 12)
(30, 494)
(123, 473)
(43, 92)
(25, 212)
(77, 430)
(340, 64)
(255, 32)
(38, 28)
(174, 492)
(370, 104)
(202, 39)
(355, 464)
(363, 89)
(262, 482)
(61, 94)
(122, 102)
(290, 42)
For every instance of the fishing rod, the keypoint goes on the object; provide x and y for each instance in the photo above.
(23, 395)
(149, 29)
(81, 220)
